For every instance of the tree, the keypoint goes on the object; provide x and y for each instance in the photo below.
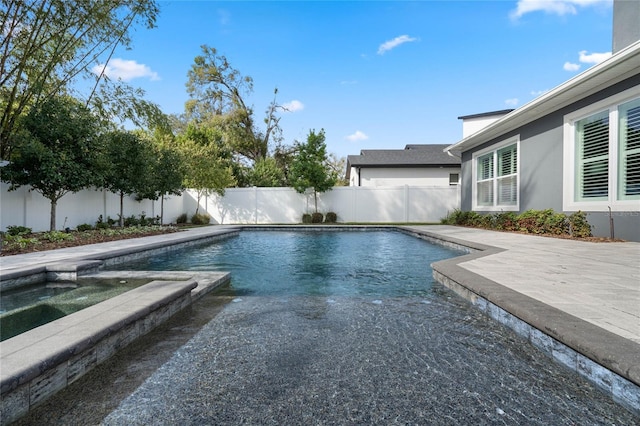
(338, 167)
(310, 169)
(206, 172)
(130, 166)
(266, 173)
(217, 89)
(167, 173)
(58, 151)
(47, 45)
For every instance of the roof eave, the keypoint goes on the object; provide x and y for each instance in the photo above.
(620, 66)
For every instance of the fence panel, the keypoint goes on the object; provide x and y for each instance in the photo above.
(238, 206)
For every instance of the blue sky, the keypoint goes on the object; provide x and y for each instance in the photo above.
(374, 74)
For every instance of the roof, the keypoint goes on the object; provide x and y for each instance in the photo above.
(411, 156)
(485, 114)
(622, 65)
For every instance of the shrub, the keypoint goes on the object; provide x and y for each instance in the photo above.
(578, 225)
(554, 223)
(84, 227)
(18, 230)
(200, 219)
(505, 221)
(528, 221)
(131, 221)
(543, 222)
(18, 241)
(531, 221)
(57, 236)
(484, 221)
(470, 218)
(306, 218)
(331, 217)
(182, 218)
(144, 221)
(102, 225)
(317, 217)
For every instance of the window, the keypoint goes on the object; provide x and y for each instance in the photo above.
(496, 177)
(629, 169)
(593, 157)
(454, 178)
(602, 155)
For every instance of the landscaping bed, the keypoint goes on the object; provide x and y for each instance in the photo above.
(24, 241)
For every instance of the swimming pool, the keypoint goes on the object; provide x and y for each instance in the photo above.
(299, 345)
(368, 263)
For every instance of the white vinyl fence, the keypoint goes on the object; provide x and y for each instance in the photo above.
(237, 206)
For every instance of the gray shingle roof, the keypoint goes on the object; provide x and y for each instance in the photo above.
(411, 156)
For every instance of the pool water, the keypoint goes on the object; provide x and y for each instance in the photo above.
(26, 308)
(367, 263)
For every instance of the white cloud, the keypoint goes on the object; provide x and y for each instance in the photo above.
(568, 66)
(511, 102)
(125, 70)
(357, 136)
(593, 58)
(558, 7)
(391, 44)
(586, 58)
(293, 106)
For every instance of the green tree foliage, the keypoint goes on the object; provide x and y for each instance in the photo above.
(217, 89)
(338, 167)
(206, 171)
(166, 175)
(208, 159)
(310, 168)
(58, 151)
(130, 164)
(48, 45)
(266, 173)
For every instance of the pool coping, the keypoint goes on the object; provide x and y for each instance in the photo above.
(604, 358)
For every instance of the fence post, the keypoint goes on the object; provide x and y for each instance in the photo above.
(406, 203)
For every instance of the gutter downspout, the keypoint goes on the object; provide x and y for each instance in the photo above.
(451, 154)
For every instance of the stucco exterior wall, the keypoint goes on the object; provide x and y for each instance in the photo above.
(472, 125)
(626, 23)
(396, 176)
(541, 168)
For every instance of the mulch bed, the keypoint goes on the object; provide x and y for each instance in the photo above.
(87, 237)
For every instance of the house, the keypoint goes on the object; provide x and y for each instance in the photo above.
(416, 165)
(473, 123)
(574, 148)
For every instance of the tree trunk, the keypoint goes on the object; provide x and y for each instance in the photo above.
(198, 200)
(121, 209)
(52, 216)
(162, 209)
(315, 199)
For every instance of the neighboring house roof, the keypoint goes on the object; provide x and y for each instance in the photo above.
(411, 156)
(622, 65)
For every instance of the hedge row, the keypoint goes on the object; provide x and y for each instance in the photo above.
(531, 222)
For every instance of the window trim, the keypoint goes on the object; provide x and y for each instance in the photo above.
(610, 104)
(515, 140)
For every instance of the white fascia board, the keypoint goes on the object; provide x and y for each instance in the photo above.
(618, 67)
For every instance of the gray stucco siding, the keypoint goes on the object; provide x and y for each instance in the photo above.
(541, 166)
